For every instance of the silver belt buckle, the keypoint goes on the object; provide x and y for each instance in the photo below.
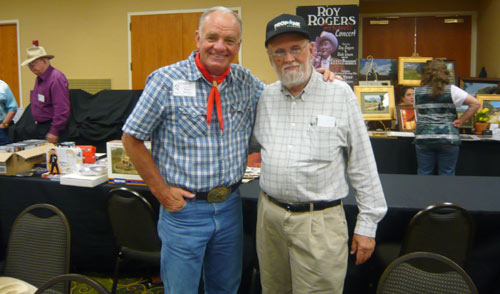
(218, 195)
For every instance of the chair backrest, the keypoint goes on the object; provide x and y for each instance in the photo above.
(50, 286)
(445, 229)
(39, 245)
(425, 273)
(133, 221)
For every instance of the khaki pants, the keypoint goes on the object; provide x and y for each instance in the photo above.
(301, 252)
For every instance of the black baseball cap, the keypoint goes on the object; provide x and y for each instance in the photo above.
(286, 23)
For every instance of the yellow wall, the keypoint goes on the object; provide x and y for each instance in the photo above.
(89, 38)
(488, 49)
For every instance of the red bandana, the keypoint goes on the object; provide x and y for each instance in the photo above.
(214, 92)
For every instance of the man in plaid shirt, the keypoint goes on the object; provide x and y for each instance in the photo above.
(313, 141)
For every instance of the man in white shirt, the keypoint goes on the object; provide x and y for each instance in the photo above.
(313, 141)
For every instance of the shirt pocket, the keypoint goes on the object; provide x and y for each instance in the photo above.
(241, 117)
(192, 121)
(323, 142)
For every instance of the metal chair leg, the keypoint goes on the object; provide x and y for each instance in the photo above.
(116, 274)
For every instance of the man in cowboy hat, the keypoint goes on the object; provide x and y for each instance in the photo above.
(50, 97)
(325, 46)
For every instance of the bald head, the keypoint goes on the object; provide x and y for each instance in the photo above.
(219, 10)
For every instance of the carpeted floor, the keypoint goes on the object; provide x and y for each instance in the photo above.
(125, 286)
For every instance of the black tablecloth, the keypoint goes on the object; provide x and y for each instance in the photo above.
(397, 156)
(94, 119)
(92, 247)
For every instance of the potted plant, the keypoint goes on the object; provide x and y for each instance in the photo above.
(481, 118)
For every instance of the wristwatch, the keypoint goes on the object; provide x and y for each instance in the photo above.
(5, 125)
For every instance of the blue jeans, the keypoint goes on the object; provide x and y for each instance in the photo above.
(206, 236)
(444, 155)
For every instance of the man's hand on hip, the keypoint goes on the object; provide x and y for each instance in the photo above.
(172, 198)
(363, 247)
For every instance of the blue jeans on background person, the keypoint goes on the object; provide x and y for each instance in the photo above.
(4, 137)
(206, 236)
(444, 155)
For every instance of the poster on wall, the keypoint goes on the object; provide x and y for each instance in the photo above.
(334, 31)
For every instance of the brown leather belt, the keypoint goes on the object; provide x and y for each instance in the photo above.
(305, 206)
(218, 194)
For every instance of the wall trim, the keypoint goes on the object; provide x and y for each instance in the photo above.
(16, 22)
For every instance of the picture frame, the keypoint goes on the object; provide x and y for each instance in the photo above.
(406, 118)
(476, 86)
(410, 70)
(374, 69)
(375, 83)
(491, 101)
(451, 65)
(376, 102)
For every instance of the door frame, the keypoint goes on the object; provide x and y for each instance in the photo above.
(16, 22)
(129, 36)
(473, 39)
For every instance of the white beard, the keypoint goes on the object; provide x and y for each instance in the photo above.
(293, 78)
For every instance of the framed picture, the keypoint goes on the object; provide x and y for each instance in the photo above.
(377, 103)
(410, 70)
(374, 83)
(476, 86)
(371, 69)
(451, 64)
(468, 124)
(407, 120)
(492, 102)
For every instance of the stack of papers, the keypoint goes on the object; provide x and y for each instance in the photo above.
(83, 181)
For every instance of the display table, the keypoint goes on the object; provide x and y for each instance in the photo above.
(397, 156)
(92, 249)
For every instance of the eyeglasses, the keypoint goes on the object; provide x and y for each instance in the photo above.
(281, 53)
(33, 62)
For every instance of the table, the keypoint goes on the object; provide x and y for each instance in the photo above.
(397, 155)
(92, 248)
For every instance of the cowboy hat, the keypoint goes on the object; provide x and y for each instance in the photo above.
(35, 53)
(330, 37)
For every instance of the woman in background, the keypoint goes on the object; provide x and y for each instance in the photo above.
(407, 116)
(407, 96)
(437, 138)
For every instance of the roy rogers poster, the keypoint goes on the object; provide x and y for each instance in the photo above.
(334, 31)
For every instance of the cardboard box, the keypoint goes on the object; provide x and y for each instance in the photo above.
(120, 168)
(83, 181)
(14, 163)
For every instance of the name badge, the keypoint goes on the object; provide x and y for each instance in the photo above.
(41, 98)
(184, 88)
(326, 121)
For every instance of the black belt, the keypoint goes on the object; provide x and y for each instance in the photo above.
(204, 195)
(305, 206)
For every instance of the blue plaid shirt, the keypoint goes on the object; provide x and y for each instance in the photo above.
(171, 112)
(7, 100)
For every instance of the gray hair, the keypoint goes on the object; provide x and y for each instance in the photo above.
(221, 9)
